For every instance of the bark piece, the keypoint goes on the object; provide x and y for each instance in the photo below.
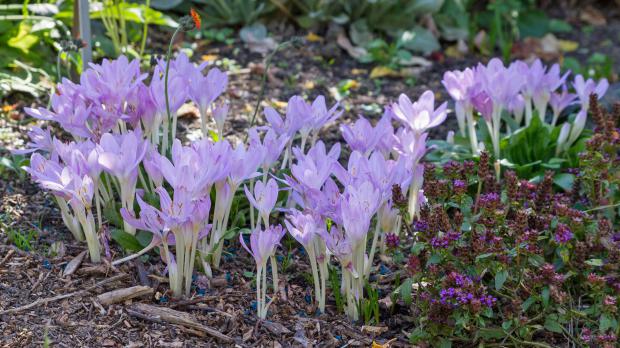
(171, 316)
(120, 295)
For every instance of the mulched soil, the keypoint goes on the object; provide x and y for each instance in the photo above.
(225, 303)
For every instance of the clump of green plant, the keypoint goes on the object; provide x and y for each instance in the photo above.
(515, 262)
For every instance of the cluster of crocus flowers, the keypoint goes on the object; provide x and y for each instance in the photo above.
(520, 92)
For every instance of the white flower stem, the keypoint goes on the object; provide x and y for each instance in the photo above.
(373, 248)
(148, 248)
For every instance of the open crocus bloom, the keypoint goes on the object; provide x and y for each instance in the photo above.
(421, 115)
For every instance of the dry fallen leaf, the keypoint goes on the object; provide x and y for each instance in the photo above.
(312, 37)
(209, 57)
(354, 51)
(383, 71)
(593, 16)
(568, 45)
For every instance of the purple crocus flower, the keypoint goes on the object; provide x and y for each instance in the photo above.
(203, 90)
(559, 101)
(360, 204)
(263, 243)
(120, 155)
(459, 85)
(584, 88)
(303, 226)
(220, 112)
(40, 140)
(271, 146)
(313, 168)
(322, 116)
(421, 115)
(501, 84)
(410, 145)
(362, 136)
(263, 198)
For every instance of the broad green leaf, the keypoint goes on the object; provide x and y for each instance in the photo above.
(500, 279)
(607, 322)
(419, 39)
(405, 290)
(545, 296)
(553, 325)
(126, 240)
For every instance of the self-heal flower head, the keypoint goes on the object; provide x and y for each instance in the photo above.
(421, 115)
(263, 243)
(359, 205)
(563, 234)
(264, 197)
(312, 169)
(303, 226)
(361, 136)
(584, 88)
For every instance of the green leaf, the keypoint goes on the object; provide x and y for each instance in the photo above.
(595, 262)
(126, 240)
(564, 180)
(23, 40)
(607, 322)
(545, 296)
(559, 26)
(528, 303)
(445, 343)
(434, 259)
(419, 40)
(500, 279)
(417, 248)
(484, 256)
(405, 290)
(553, 325)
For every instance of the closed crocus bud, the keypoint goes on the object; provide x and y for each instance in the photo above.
(562, 138)
(578, 124)
(219, 115)
(450, 137)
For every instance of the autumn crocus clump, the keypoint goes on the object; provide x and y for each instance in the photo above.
(511, 96)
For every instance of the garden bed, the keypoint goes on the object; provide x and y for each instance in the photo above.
(40, 305)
